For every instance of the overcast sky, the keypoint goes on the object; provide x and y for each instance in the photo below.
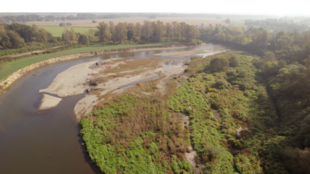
(268, 7)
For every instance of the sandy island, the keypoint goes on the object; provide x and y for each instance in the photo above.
(49, 102)
(107, 77)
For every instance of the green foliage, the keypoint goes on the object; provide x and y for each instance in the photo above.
(135, 134)
(247, 106)
(219, 64)
(83, 39)
(305, 131)
(220, 84)
(234, 61)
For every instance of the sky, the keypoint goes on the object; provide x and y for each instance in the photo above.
(253, 7)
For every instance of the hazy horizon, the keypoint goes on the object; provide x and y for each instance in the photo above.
(224, 7)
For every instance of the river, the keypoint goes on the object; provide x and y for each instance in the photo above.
(36, 142)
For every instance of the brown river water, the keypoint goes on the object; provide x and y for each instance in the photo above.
(47, 142)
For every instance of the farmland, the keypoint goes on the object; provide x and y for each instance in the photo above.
(88, 23)
(57, 31)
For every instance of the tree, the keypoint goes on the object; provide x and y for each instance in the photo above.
(147, 28)
(83, 39)
(66, 36)
(43, 35)
(121, 32)
(54, 40)
(15, 39)
(72, 33)
(261, 39)
(168, 28)
(138, 29)
(24, 31)
(104, 32)
(190, 32)
(90, 34)
(112, 30)
(62, 24)
(131, 31)
(227, 21)
(35, 28)
(5, 40)
(282, 40)
(158, 30)
(269, 56)
(219, 63)
(234, 62)
(176, 31)
(93, 21)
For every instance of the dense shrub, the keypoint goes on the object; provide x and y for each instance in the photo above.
(219, 64)
(220, 84)
(234, 62)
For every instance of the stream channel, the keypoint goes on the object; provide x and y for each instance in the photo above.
(37, 142)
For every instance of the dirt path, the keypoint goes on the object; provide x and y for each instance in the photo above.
(192, 154)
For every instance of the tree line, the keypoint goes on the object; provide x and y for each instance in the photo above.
(156, 31)
(18, 35)
(276, 25)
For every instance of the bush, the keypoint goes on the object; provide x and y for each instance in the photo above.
(62, 24)
(219, 63)
(108, 139)
(210, 153)
(234, 61)
(242, 74)
(231, 73)
(220, 84)
(297, 159)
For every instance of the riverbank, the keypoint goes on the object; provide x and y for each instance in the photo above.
(184, 54)
(12, 71)
(105, 78)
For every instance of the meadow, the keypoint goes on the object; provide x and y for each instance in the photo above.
(57, 31)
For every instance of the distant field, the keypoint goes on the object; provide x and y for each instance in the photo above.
(13, 66)
(237, 23)
(88, 23)
(57, 31)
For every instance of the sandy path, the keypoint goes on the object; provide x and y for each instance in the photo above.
(49, 102)
(183, 54)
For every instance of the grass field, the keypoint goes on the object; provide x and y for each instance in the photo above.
(57, 31)
(88, 23)
(13, 66)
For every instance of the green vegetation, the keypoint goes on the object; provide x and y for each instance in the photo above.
(10, 67)
(57, 31)
(243, 119)
(136, 133)
(240, 101)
